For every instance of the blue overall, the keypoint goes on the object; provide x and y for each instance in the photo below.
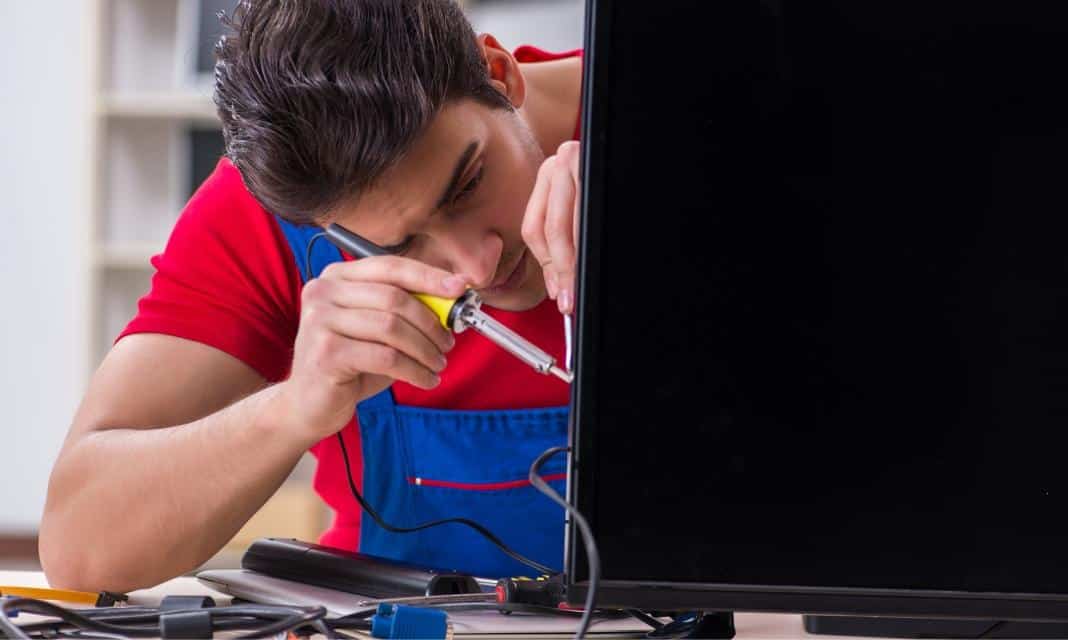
(427, 464)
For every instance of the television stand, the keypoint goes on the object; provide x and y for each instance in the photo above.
(931, 628)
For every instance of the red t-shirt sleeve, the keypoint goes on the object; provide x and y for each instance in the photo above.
(227, 279)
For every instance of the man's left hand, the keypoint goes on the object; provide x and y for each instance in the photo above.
(550, 224)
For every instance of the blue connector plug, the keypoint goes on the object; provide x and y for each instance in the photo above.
(409, 623)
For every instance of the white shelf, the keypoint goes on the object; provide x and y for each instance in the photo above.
(130, 256)
(181, 105)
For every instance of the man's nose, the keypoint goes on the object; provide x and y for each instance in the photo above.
(473, 256)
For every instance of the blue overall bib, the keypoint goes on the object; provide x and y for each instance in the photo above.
(423, 464)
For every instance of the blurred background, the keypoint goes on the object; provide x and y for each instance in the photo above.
(107, 128)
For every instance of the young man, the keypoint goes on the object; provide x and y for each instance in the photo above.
(394, 120)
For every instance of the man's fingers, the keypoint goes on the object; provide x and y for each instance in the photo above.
(380, 359)
(571, 153)
(389, 298)
(534, 222)
(559, 225)
(574, 166)
(410, 275)
(390, 330)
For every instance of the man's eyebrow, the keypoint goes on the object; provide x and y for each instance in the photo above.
(457, 173)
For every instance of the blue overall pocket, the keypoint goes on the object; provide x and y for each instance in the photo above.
(431, 464)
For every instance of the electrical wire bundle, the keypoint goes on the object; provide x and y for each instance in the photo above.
(255, 620)
(259, 621)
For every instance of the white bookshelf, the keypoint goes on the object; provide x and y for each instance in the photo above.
(145, 98)
(140, 108)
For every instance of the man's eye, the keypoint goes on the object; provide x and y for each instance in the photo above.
(470, 187)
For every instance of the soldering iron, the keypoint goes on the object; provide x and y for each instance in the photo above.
(460, 314)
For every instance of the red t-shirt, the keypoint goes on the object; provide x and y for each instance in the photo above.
(227, 278)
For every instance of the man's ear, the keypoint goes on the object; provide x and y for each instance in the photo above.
(503, 69)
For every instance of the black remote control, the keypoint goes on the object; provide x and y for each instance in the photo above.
(350, 571)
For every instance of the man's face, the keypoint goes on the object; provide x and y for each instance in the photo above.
(456, 201)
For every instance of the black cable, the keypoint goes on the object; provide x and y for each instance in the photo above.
(592, 556)
(486, 533)
(257, 620)
(307, 256)
(43, 608)
(105, 612)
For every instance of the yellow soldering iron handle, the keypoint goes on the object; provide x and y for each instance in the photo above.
(441, 307)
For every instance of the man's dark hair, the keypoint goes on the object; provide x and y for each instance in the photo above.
(319, 97)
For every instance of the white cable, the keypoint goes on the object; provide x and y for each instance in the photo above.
(567, 344)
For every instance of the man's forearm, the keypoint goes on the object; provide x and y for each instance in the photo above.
(129, 508)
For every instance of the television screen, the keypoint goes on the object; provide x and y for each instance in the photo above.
(823, 332)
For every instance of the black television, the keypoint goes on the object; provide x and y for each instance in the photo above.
(822, 326)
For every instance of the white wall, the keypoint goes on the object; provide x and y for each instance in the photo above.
(44, 125)
(553, 25)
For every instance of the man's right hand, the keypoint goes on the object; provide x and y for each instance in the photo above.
(194, 440)
(361, 329)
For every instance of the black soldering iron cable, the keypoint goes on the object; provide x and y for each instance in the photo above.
(486, 533)
(537, 566)
(592, 556)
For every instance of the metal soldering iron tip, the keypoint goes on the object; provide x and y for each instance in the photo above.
(566, 376)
